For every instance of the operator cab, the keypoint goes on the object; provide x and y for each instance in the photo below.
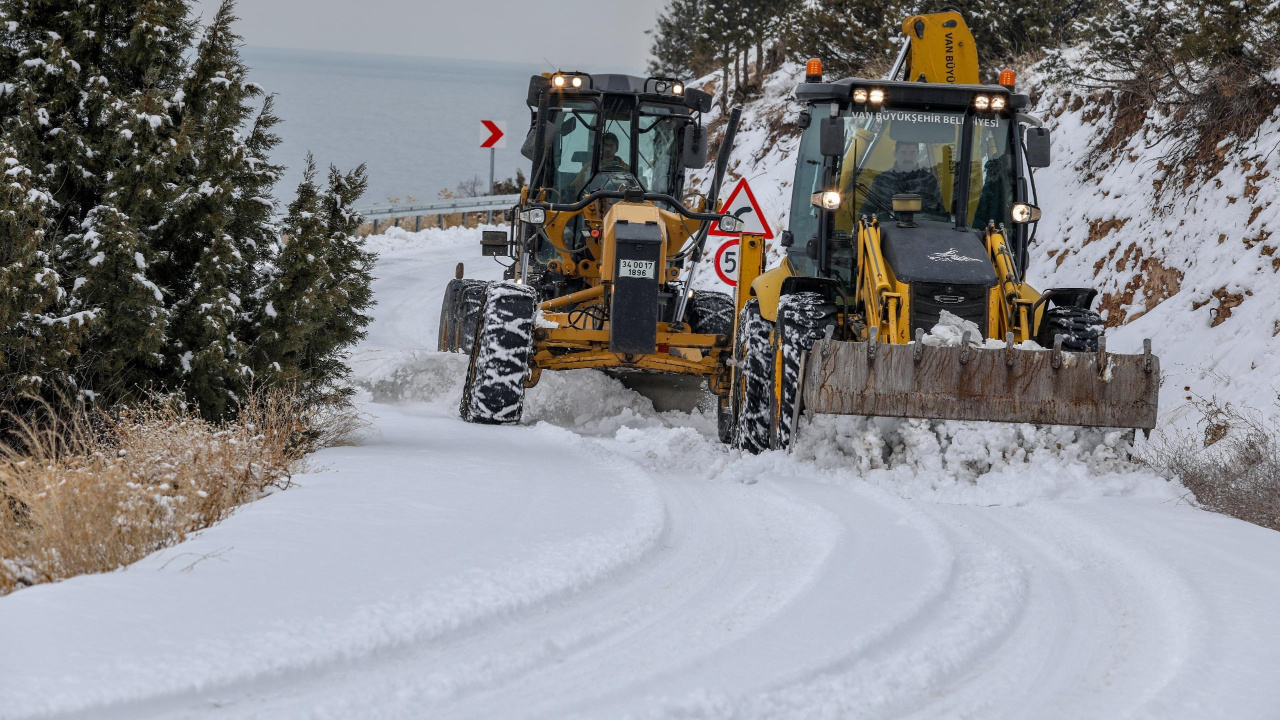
(610, 132)
(957, 148)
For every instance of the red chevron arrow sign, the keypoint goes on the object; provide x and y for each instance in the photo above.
(493, 134)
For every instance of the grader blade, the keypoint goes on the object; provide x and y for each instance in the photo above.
(1005, 384)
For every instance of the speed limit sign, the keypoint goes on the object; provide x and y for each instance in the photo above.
(727, 263)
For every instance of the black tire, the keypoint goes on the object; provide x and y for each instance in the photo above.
(803, 318)
(752, 391)
(710, 313)
(444, 336)
(466, 313)
(1079, 327)
(494, 389)
(453, 318)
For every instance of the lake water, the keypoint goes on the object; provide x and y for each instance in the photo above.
(414, 121)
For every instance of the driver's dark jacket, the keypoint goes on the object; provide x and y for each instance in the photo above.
(895, 182)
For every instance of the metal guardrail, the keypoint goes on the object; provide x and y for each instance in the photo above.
(441, 207)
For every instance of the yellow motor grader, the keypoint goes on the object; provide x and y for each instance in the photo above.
(914, 203)
(602, 248)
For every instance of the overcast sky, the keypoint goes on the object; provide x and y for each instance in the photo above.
(590, 34)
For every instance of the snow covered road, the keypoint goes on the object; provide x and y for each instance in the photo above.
(604, 560)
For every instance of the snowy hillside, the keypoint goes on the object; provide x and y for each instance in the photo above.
(1194, 269)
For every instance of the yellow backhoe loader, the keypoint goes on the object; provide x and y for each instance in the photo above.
(602, 248)
(914, 203)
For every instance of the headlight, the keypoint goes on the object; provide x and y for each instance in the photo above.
(577, 82)
(981, 103)
(998, 102)
(558, 81)
(730, 223)
(876, 96)
(827, 200)
(860, 95)
(677, 89)
(1025, 213)
(533, 216)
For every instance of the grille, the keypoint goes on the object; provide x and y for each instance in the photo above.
(928, 300)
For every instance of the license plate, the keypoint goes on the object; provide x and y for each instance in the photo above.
(636, 269)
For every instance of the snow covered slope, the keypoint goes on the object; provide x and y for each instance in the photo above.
(602, 560)
(1194, 269)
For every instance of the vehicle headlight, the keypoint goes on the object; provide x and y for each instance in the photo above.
(860, 95)
(533, 216)
(1024, 213)
(577, 82)
(677, 89)
(876, 96)
(998, 102)
(981, 103)
(558, 81)
(730, 223)
(827, 199)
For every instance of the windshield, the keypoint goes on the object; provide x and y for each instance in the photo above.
(657, 149)
(570, 141)
(892, 152)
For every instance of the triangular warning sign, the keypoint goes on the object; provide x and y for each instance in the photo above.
(742, 203)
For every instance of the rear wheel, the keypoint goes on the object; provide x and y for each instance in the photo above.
(752, 392)
(494, 389)
(711, 313)
(444, 335)
(803, 318)
(454, 318)
(1079, 327)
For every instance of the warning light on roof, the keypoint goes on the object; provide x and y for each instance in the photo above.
(1006, 78)
(813, 71)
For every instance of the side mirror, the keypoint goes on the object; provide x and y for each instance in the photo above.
(493, 243)
(694, 153)
(831, 137)
(697, 100)
(1037, 147)
(549, 132)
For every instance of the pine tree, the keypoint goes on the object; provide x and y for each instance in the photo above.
(314, 306)
(219, 224)
(36, 344)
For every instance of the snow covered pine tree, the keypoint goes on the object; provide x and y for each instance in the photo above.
(144, 160)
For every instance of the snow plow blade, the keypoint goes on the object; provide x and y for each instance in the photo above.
(1006, 384)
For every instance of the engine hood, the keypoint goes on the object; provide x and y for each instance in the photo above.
(935, 252)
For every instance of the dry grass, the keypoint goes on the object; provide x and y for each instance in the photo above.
(1231, 466)
(94, 492)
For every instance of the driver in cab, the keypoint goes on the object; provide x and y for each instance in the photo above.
(906, 176)
(609, 161)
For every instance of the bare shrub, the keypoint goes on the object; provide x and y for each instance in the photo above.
(87, 492)
(1231, 464)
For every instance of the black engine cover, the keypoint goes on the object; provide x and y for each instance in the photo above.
(935, 252)
(633, 305)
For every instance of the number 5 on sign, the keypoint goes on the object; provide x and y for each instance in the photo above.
(727, 263)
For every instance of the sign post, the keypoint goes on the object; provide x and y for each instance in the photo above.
(493, 135)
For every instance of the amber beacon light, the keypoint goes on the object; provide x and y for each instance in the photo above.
(1006, 78)
(813, 71)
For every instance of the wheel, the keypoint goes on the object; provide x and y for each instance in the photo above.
(494, 390)
(466, 313)
(444, 335)
(803, 318)
(1079, 327)
(752, 391)
(710, 313)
